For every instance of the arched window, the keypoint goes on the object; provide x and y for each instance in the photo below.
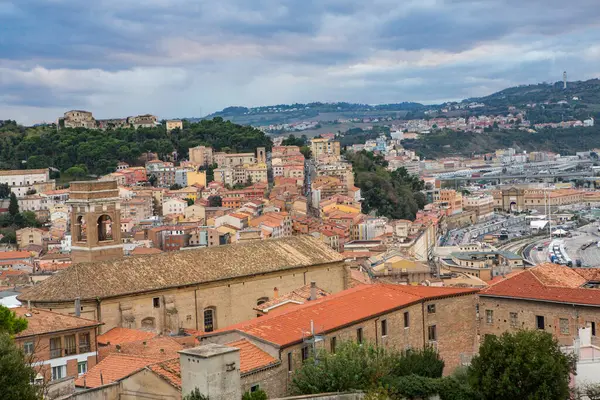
(209, 319)
(262, 300)
(148, 323)
(104, 228)
(81, 229)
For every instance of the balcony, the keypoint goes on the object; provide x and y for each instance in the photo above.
(55, 353)
(70, 351)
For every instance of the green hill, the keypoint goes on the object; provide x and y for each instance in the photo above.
(100, 151)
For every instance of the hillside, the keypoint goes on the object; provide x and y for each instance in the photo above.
(290, 113)
(588, 92)
(450, 143)
(98, 152)
(582, 97)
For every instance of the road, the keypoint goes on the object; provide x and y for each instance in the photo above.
(590, 257)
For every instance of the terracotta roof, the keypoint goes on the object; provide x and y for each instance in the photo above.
(547, 282)
(159, 348)
(300, 295)
(41, 321)
(339, 310)
(144, 273)
(169, 370)
(113, 368)
(124, 335)
(9, 255)
(251, 357)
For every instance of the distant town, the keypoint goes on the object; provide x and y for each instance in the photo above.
(265, 258)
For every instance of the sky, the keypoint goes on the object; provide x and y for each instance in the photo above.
(188, 58)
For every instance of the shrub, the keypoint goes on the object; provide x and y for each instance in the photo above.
(256, 395)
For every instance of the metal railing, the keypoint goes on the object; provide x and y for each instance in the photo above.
(84, 348)
(69, 351)
(55, 353)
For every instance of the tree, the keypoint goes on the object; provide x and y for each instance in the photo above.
(4, 190)
(10, 323)
(215, 201)
(352, 367)
(152, 180)
(190, 202)
(13, 205)
(76, 172)
(426, 362)
(306, 152)
(526, 365)
(29, 219)
(8, 237)
(16, 372)
(195, 395)
(256, 395)
(175, 186)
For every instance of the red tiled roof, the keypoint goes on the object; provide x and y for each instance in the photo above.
(124, 335)
(9, 255)
(41, 321)
(169, 370)
(113, 368)
(546, 282)
(338, 310)
(159, 348)
(251, 357)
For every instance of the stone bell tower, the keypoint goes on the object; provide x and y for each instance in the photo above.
(95, 221)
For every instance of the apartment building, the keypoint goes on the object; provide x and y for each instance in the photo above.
(340, 170)
(60, 345)
(452, 200)
(321, 146)
(163, 171)
(174, 206)
(482, 204)
(201, 155)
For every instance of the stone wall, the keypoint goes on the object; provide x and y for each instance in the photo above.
(526, 312)
(233, 300)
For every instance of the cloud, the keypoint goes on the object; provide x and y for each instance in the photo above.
(192, 57)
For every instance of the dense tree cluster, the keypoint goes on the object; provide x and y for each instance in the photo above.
(395, 194)
(525, 365)
(15, 219)
(81, 151)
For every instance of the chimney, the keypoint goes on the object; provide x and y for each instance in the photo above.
(313, 291)
(77, 307)
(275, 293)
(118, 347)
